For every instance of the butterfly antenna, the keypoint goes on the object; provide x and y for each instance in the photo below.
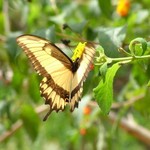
(46, 116)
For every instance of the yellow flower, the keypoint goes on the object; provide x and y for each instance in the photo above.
(123, 7)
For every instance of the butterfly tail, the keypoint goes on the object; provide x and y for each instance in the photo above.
(47, 115)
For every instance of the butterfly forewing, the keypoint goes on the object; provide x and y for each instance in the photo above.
(51, 63)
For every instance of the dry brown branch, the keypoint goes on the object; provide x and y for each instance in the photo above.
(127, 103)
(13, 129)
(130, 126)
(16, 126)
(118, 105)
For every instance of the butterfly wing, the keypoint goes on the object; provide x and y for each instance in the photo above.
(51, 63)
(80, 75)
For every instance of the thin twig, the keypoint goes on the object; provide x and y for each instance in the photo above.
(118, 105)
(127, 103)
(132, 128)
(16, 126)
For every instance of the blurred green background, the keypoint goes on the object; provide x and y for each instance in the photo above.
(109, 23)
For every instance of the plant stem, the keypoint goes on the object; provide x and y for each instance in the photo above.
(129, 58)
(121, 59)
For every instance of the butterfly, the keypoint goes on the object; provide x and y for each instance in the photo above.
(63, 77)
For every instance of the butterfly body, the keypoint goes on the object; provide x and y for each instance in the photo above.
(63, 77)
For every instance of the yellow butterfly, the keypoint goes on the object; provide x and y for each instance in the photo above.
(63, 77)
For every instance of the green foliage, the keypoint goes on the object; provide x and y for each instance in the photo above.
(120, 76)
(33, 86)
(138, 46)
(106, 8)
(104, 91)
(48, 33)
(31, 121)
(11, 47)
(143, 105)
(79, 27)
(111, 44)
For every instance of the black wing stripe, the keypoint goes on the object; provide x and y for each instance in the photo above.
(59, 90)
(27, 42)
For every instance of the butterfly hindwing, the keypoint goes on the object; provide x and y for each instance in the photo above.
(54, 95)
(81, 74)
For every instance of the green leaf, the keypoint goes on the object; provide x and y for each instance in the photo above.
(111, 39)
(78, 27)
(2, 28)
(59, 19)
(138, 46)
(143, 104)
(103, 70)
(30, 121)
(148, 44)
(104, 91)
(100, 49)
(17, 79)
(36, 11)
(105, 7)
(11, 46)
(101, 58)
(148, 84)
(91, 34)
(34, 87)
(48, 33)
